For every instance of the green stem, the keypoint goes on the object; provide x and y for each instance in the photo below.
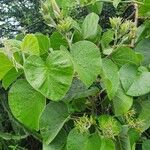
(135, 22)
(8, 136)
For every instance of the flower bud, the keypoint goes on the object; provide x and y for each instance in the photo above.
(56, 9)
(65, 25)
(115, 22)
(84, 123)
(125, 27)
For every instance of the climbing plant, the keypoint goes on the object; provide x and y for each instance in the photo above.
(82, 87)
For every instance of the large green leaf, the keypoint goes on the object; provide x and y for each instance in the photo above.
(30, 45)
(97, 7)
(127, 138)
(57, 40)
(124, 55)
(107, 37)
(52, 78)
(128, 74)
(58, 143)
(10, 77)
(141, 85)
(143, 47)
(87, 61)
(79, 90)
(26, 104)
(135, 83)
(107, 144)
(76, 140)
(90, 26)
(146, 145)
(110, 77)
(44, 43)
(145, 114)
(144, 9)
(123, 141)
(5, 65)
(52, 120)
(134, 136)
(84, 141)
(122, 102)
(77, 105)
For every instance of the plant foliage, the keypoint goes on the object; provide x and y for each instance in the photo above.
(81, 87)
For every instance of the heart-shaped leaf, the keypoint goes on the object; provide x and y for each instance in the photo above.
(10, 77)
(90, 26)
(52, 120)
(30, 45)
(44, 43)
(122, 53)
(52, 78)
(26, 104)
(85, 141)
(110, 77)
(5, 65)
(143, 47)
(56, 40)
(134, 82)
(122, 102)
(87, 61)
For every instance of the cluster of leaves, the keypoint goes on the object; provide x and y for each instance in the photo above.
(82, 87)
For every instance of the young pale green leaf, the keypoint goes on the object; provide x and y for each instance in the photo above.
(58, 143)
(90, 26)
(56, 40)
(87, 61)
(84, 141)
(52, 120)
(143, 47)
(124, 55)
(110, 77)
(12, 45)
(52, 78)
(10, 77)
(135, 83)
(44, 43)
(30, 45)
(26, 104)
(122, 102)
(5, 65)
